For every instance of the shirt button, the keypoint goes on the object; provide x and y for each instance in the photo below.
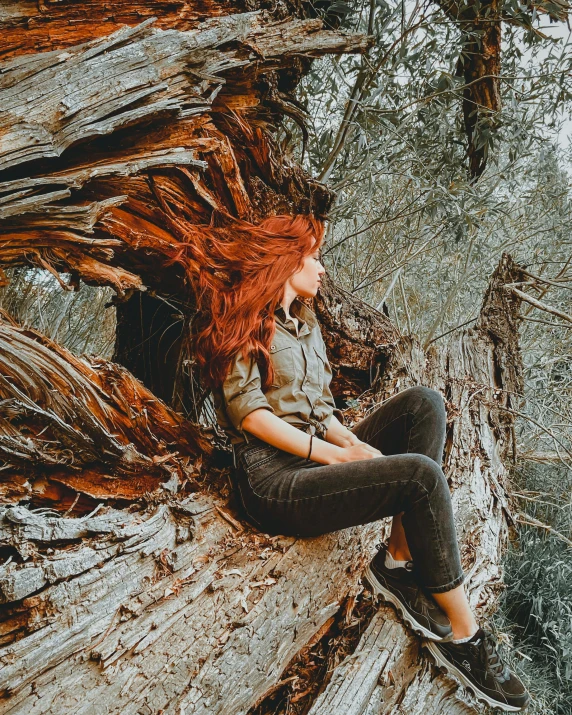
(273, 347)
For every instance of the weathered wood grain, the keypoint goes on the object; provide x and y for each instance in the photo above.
(157, 121)
(22, 198)
(192, 615)
(54, 99)
(386, 674)
(29, 26)
(359, 338)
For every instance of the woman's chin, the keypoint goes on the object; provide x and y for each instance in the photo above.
(308, 293)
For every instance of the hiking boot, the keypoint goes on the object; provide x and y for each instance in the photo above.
(399, 587)
(478, 666)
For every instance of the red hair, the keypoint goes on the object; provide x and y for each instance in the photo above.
(240, 271)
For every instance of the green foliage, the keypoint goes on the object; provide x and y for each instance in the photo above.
(537, 604)
(81, 321)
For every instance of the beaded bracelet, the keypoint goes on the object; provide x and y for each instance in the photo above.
(310, 452)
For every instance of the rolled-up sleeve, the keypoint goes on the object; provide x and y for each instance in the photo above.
(242, 390)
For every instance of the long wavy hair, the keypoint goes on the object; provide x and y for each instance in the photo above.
(240, 271)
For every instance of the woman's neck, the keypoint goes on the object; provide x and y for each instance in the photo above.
(288, 298)
(293, 318)
(295, 321)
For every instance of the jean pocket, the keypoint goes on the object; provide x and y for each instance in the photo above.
(257, 456)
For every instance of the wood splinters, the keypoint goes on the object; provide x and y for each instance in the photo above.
(231, 520)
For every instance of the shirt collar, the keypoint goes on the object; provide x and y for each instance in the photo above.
(298, 310)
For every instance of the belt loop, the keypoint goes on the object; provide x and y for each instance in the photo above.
(233, 456)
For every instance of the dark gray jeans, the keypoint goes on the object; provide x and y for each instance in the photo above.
(286, 494)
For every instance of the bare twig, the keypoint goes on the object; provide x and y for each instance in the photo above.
(545, 280)
(516, 413)
(462, 325)
(390, 289)
(531, 521)
(541, 306)
(546, 322)
(227, 517)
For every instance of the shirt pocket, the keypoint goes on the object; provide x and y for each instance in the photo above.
(282, 357)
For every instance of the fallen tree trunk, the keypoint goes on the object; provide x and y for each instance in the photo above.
(177, 605)
(140, 589)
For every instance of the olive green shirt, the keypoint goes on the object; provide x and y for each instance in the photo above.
(300, 393)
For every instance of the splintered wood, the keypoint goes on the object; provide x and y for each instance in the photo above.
(162, 94)
(85, 423)
(209, 631)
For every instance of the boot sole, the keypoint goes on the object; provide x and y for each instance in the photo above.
(403, 612)
(468, 684)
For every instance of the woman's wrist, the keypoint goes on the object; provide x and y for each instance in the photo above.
(351, 439)
(326, 452)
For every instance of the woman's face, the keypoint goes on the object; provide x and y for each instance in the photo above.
(306, 281)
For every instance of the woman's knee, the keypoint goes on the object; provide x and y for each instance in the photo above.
(430, 479)
(428, 395)
(428, 402)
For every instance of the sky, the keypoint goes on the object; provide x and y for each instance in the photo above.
(561, 30)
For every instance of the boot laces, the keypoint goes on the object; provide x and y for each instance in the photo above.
(493, 659)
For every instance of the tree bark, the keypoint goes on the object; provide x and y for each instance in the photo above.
(141, 589)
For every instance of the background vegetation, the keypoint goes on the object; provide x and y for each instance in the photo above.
(411, 230)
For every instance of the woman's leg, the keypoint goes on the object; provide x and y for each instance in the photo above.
(412, 421)
(286, 494)
(313, 500)
(397, 544)
(283, 495)
(415, 421)
(455, 605)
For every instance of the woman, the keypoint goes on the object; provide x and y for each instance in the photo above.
(300, 471)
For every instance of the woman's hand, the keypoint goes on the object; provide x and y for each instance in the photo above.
(340, 435)
(357, 452)
(273, 429)
(352, 448)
